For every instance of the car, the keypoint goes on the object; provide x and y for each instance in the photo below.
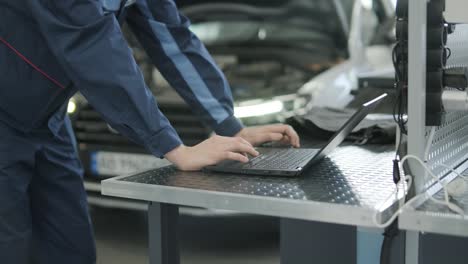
(280, 57)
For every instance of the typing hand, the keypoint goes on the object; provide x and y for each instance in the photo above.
(270, 133)
(211, 152)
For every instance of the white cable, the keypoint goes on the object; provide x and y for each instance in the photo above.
(398, 139)
(397, 213)
(458, 186)
(429, 143)
(449, 204)
(403, 205)
(453, 171)
(452, 206)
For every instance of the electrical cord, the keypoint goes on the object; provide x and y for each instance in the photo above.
(400, 86)
(446, 201)
(454, 189)
(454, 171)
(409, 179)
(398, 58)
(389, 235)
(459, 186)
(429, 143)
(402, 205)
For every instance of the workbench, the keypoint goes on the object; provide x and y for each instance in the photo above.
(346, 189)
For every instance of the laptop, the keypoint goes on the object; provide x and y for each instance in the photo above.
(291, 161)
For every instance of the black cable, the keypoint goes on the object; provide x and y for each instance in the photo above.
(389, 235)
(400, 63)
(399, 107)
(449, 52)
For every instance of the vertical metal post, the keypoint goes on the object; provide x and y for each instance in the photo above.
(412, 247)
(163, 233)
(417, 28)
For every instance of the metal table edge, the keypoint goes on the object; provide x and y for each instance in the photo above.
(288, 208)
(413, 220)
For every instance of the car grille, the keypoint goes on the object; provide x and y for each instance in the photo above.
(90, 128)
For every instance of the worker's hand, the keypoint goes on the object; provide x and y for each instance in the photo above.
(211, 152)
(270, 133)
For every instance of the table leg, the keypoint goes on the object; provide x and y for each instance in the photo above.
(412, 247)
(434, 249)
(163, 233)
(305, 242)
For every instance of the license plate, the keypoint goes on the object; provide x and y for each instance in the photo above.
(114, 163)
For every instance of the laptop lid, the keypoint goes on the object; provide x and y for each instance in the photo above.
(348, 127)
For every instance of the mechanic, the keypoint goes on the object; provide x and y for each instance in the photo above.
(51, 49)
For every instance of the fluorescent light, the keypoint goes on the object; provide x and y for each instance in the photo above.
(367, 4)
(71, 107)
(260, 109)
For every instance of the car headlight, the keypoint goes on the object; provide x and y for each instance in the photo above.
(301, 103)
(72, 107)
(257, 108)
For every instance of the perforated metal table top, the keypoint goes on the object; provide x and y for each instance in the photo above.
(435, 218)
(349, 187)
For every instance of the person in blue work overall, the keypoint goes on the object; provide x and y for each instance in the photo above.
(51, 49)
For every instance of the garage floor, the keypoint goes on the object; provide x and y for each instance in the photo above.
(121, 238)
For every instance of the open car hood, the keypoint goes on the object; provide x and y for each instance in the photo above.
(314, 20)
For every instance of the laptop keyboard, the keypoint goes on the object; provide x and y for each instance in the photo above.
(282, 159)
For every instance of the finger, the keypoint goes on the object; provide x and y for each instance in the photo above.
(236, 157)
(281, 128)
(242, 148)
(286, 130)
(293, 136)
(233, 142)
(243, 141)
(277, 128)
(267, 137)
(286, 140)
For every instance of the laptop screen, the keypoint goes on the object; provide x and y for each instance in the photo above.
(348, 127)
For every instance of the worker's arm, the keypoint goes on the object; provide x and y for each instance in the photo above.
(91, 49)
(184, 62)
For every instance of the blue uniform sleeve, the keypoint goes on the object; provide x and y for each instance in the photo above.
(184, 62)
(90, 47)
